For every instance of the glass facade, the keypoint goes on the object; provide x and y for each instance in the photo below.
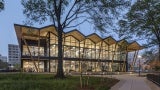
(80, 53)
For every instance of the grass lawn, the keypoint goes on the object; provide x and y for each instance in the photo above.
(48, 82)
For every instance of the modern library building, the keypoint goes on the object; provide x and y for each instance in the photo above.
(39, 48)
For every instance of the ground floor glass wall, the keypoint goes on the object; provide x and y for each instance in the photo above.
(28, 66)
(72, 66)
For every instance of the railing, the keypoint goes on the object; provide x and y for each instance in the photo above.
(154, 78)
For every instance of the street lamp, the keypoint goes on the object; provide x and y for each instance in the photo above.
(139, 57)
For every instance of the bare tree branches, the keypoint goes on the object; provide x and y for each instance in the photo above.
(77, 24)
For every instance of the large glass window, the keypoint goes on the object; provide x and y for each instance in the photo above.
(54, 50)
(29, 66)
(53, 45)
(33, 50)
(104, 51)
(71, 47)
(87, 49)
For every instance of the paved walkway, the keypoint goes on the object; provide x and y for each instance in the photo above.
(130, 82)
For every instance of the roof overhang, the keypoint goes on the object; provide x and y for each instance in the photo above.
(110, 40)
(94, 37)
(134, 46)
(33, 33)
(76, 34)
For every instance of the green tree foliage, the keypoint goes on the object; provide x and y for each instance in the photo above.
(3, 65)
(1, 5)
(142, 20)
(148, 55)
(151, 58)
(64, 13)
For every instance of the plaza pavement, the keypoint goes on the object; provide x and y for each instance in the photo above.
(132, 82)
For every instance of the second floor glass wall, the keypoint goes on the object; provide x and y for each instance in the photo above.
(73, 48)
(34, 51)
(87, 49)
(53, 45)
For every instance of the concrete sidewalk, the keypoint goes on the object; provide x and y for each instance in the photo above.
(130, 82)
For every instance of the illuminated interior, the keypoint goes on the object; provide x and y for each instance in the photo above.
(80, 52)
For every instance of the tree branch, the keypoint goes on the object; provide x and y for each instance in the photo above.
(70, 10)
(68, 14)
(76, 17)
(52, 14)
(77, 24)
(55, 6)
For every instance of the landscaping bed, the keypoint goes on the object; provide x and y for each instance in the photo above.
(48, 82)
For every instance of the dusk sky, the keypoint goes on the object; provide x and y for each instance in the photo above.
(13, 14)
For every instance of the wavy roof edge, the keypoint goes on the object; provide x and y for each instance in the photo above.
(84, 36)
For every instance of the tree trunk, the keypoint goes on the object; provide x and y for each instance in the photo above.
(159, 53)
(60, 73)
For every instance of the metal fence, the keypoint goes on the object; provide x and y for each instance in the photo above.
(154, 78)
